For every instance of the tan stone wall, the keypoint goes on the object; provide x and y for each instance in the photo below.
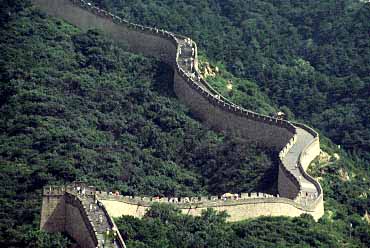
(136, 40)
(62, 212)
(223, 119)
(76, 226)
(53, 213)
(237, 212)
(214, 112)
(310, 153)
(254, 210)
(287, 186)
(117, 209)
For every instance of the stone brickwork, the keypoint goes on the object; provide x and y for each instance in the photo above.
(220, 113)
(237, 211)
(297, 144)
(53, 210)
(77, 223)
(223, 117)
(80, 215)
(254, 205)
(138, 39)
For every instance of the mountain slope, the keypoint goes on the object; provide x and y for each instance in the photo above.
(311, 58)
(76, 107)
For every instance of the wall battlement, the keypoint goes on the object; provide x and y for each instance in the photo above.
(75, 210)
(297, 144)
(205, 201)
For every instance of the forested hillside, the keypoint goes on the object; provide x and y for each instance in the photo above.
(73, 106)
(310, 56)
(76, 107)
(164, 226)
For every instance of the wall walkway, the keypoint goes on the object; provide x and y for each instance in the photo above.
(297, 143)
(81, 215)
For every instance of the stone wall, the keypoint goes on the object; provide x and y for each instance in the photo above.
(136, 38)
(310, 153)
(270, 205)
(288, 186)
(63, 212)
(256, 128)
(238, 210)
(53, 210)
(77, 224)
(119, 239)
(216, 111)
(258, 208)
(222, 117)
(307, 155)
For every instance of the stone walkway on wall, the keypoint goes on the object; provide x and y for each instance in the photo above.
(290, 161)
(99, 219)
(185, 61)
(303, 137)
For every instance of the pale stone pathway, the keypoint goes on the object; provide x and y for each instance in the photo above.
(99, 220)
(290, 161)
(184, 61)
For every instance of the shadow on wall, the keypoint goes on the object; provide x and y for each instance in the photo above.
(53, 214)
(163, 80)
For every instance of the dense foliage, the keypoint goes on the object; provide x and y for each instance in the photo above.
(10, 8)
(75, 106)
(347, 188)
(310, 56)
(164, 226)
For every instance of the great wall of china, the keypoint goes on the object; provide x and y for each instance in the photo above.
(65, 210)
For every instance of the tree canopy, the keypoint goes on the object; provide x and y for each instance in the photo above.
(74, 106)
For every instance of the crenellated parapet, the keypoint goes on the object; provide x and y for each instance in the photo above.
(73, 201)
(74, 209)
(183, 201)
(53, 191)
(296, 143)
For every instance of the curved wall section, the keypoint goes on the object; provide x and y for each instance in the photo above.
(310, 153)
(136, 37)
(77, 224)
(63, 212)
(253, 206)
(298, 145)
(221, 117)
(162, 45)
